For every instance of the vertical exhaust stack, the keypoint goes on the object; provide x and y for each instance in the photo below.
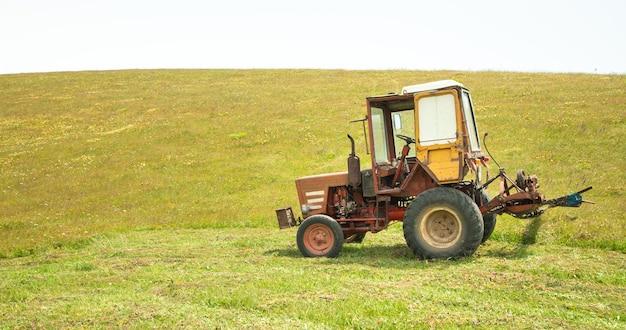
(354, 167)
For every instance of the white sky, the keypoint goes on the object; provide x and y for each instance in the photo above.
(536, 35)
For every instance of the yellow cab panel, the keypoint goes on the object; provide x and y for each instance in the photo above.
(439, 134)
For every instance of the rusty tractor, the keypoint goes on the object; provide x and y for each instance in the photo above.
(435, 189)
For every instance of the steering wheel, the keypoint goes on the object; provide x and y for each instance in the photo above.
(406, 139)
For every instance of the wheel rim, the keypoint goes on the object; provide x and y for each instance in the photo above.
(441, 227)
(318, 239)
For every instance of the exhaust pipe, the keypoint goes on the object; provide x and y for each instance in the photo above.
(354, 167)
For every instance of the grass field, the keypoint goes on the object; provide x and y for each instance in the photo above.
(146, 198)
(255, 278)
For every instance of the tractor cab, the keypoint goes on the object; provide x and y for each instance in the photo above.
(422, 138)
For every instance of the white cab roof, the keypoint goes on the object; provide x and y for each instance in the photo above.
(430, 86)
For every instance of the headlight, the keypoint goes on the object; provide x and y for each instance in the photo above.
(305, 209)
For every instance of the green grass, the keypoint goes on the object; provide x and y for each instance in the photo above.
(255, 278)
(147, 198)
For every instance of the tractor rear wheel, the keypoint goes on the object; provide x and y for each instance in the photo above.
(489, 221)
(319, 236)
(443, 223)
(355, 238)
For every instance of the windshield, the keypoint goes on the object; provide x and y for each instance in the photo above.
(402, 122)
(472, 132)
(379, 133)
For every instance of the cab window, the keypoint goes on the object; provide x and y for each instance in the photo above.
(437, 120)
(379, 136)
(404, 124)
(472, 132)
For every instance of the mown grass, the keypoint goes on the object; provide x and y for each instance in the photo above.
(254, 278)
(146, 198)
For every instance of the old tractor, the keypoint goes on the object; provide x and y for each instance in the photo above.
(426, 171)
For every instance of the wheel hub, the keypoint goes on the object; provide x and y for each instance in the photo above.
(441, 227)
(318, 239)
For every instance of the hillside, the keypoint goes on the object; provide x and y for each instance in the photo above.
(84, 154)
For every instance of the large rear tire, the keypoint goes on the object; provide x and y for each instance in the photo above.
(355, 238)
(319, 236)
(443, 223)
(489, 221)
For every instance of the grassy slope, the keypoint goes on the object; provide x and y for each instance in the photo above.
(89, 158)
(94, 152)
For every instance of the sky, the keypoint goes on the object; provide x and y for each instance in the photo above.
(522, 36)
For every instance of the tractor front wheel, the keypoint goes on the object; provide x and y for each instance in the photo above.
(320, 236)
(443, 223)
